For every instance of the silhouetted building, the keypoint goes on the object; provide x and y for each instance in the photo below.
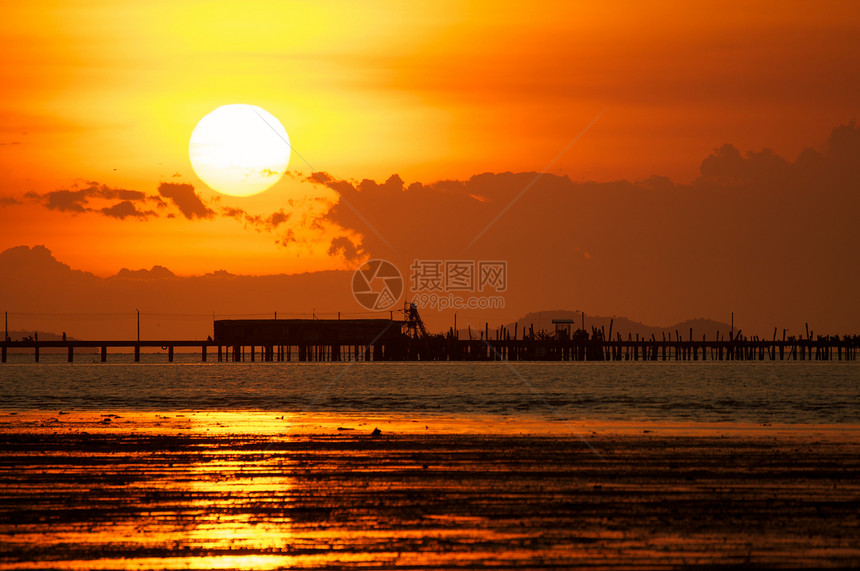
(272, 332)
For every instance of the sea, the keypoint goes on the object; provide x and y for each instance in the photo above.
(466, 465)
(801, 393)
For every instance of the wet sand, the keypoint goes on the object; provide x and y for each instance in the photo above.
(243, 490)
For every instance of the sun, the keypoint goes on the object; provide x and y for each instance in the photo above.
(239, 149)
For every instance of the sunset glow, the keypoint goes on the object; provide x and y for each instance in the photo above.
(429, 107)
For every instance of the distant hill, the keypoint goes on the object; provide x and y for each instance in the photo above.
(542, 320)
(20, 335)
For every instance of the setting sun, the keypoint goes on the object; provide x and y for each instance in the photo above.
(239, 149)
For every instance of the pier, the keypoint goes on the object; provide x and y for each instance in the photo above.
(401, 347)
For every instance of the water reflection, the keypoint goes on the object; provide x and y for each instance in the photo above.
(260, 490)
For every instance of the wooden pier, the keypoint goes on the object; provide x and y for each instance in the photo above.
(450, 348)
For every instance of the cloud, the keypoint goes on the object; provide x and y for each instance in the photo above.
(755, 231)
(184, 197)
(278, 218)
(344, 247)
(126, 209)
(727, 163)
(90, 197)
(8, 200)
(79, 199)
(103, 191)
(157, 272)
(64, 200)
(236, 213)
(256, 221)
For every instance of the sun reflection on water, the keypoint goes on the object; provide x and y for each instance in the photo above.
(196, 490)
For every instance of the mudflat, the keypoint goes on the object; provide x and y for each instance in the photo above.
(177, 491)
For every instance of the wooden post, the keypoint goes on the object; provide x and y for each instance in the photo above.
(3, 356)
(204, 353)
(71, 354)
(137, 353)
(104, 353)
(36, 353)
(170, 354)
(220, 355)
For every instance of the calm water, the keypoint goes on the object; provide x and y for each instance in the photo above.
(801, 393)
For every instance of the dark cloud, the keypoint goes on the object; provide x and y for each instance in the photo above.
(727, 163)
(103, 191)
(257, 222)
(78, 200)
(754, 231)
(84, 197)
(184, 197)
(344, 247)
(126, 209)
(157, 272)
(287, 238)
(8, 200)
(277, 219)
(66, 200)
(231, 212)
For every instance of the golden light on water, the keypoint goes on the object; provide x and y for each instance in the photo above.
(218, 490)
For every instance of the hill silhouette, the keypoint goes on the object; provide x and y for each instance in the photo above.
(542, 321)
(623, 325)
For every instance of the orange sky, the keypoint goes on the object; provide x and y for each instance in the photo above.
(109, 92)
